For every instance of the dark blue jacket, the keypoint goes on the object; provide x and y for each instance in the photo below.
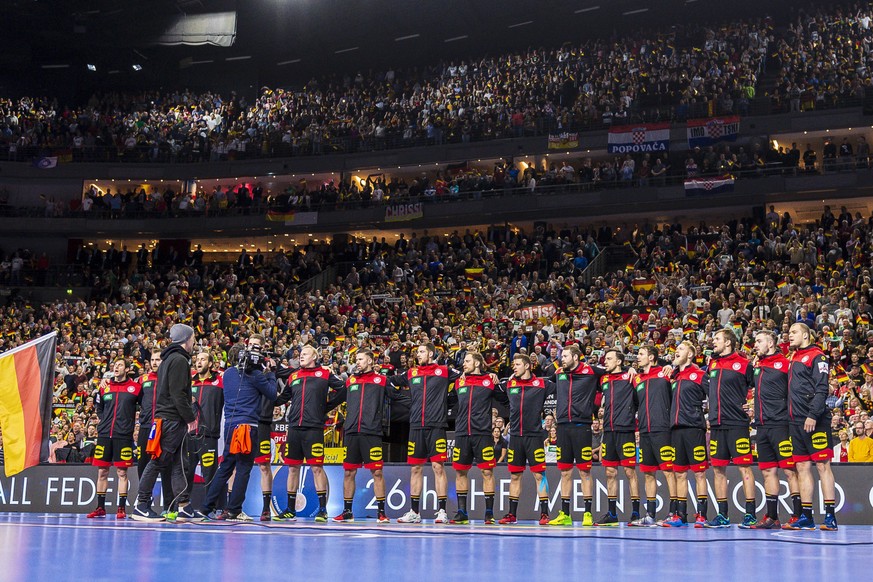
(242, 396)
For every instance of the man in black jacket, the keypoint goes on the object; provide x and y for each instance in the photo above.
(174, 411)
(207, 390)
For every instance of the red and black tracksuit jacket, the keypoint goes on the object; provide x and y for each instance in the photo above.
(149, 398)
(771, 391)
(208, 397)
(577, 394)
(312, 392)
(428, 392)
(808, 386)
(116, 406)
(686, 409)
(526, 400)
(619, 403)
(727, 384)
(653, 395)
(365, 403)
(476, 396)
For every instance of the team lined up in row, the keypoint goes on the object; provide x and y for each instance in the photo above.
(665, 404)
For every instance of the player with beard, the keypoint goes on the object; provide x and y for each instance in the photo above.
(476, 392)
(527, 396)
(619, 442)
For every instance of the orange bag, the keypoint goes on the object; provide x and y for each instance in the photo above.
(153, 447)
(241, 440)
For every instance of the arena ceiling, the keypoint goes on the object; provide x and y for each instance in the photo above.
(47, 44)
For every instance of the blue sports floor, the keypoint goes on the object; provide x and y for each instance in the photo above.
(63, 547)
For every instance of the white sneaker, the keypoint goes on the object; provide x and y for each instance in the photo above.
(441, 517)
(411, 517)
(240, 517)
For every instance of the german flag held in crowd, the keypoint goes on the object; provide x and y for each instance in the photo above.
(26, 381)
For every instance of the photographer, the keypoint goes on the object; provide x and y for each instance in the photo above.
(244, 386)
(174, 418)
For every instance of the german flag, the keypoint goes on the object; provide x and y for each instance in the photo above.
(280, 216)
(867, 369)
(472, 274)
(782, 284)
(643, 284)
(26, 377)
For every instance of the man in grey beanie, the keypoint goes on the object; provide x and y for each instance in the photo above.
(174, 418)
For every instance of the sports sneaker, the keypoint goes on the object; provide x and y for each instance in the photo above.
(830, 523)
(409, 517)
(489, 519)
(647, 521)
(699, 521)
(200, 516)
(345, 517)
(562, 519)
(287, 515)
(768, 523)
(803, 523)
(791, 521)
(266, 516)
(587, 519)
(717, 521)
(184, 514)
(460, 518)
(749, 521)
(674, 521)
(240, 517)
(142, 512)
(607, 519)
(635, 516)
(660, 522)
(121, 513)
(382, 519)
(441, 517)
(508, 519)
(544, 519)
(99, 512)
(321, 516)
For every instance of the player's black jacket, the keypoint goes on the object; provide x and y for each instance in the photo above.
(312, 392)
(576, 391)
(428, 391)
(727, 384)
(116, 406)
(808, 386)
(653, 394)
(686, 409)
(476, 397)
(148, 399)
(526, 400)
(771, 391)
(619, 403)
(208, 403)
(365, 403)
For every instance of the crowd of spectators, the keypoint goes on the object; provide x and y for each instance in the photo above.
(825, 56)
(465, 291)
(689, 70)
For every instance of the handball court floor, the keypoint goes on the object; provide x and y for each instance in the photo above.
(63, 546)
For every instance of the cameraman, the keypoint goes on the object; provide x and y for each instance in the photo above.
(244, 386)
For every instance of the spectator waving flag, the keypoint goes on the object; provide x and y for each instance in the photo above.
(26, 381)
(635, 139)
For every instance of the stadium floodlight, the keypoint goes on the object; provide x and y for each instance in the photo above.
(137, 67)
(91, 67)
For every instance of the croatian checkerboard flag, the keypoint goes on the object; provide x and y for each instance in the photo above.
(709, 185)
(641, 138)
(705, 132)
